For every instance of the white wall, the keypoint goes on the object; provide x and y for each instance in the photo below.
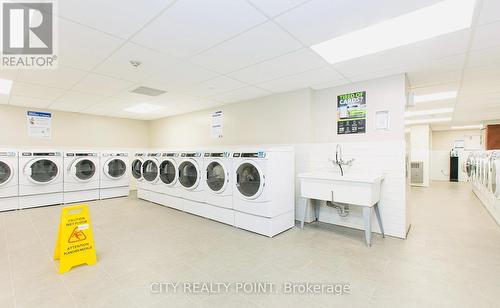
(281, 118)
(442, 143)
(73, 130)
(306, 120)
(420, 151)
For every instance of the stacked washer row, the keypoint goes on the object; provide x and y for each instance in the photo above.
(247, 188)
(483, 169)
(40, 178)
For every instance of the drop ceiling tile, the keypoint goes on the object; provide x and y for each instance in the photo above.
(320, 20)
(4, 99)
(190, 26)
(24, 101)
(242, 94)
(214, 86)
(447, 50)
(329, 84)
(275, 7)
(82, 47)
(62, 77)
(259, 44)
(74, 101)
(428, 77)
(484, 57)
(118, 65)
(9, 74)
(490, 12)
(121, 19)
(483, 74)
(36, 91)
(302, 80)
(109, 107)
(486, 36)
(179, 76)
(285, 65)
(101, 85)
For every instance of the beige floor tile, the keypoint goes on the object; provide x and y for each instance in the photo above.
(450, 258)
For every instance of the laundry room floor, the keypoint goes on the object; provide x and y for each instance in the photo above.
(451, 258)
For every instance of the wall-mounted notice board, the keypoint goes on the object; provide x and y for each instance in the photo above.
(351, 113)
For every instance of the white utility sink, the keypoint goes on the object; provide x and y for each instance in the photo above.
(357, 189)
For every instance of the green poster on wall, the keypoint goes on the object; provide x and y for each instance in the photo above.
(351, 113)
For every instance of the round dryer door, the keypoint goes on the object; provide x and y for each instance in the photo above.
(42, 171)
(249, 180)
(83, 169)
(216, 176)
(6, 173)
(150, 170)
(189, 174)
(115, 168)
(167, 172)
(137, 169)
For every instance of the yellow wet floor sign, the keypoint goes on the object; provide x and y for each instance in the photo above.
(74, 245)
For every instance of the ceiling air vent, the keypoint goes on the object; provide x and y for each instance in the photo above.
(148, 91)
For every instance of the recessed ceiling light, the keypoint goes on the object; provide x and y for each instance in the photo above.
(144, 108)
(479, 126)
(428, 112)
(441, 18)
(426, 121)
(434, 96)
(5, 86)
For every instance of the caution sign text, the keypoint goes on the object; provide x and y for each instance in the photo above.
(75, 245)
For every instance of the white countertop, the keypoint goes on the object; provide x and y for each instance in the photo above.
(333, 176)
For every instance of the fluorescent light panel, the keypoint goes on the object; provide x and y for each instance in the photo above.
(435, 97)
(409, 114)
(5, 86)
(427, 121)
(478, 126)
(144, 108)
(441, 18)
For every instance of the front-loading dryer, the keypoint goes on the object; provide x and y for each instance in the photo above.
(218, 186)
(151, 177)
(9, 180)
(169, 185)
(40, 178)
(136, 169)
(190, 175)
(114, 178)
(263, 190)
(81, 176)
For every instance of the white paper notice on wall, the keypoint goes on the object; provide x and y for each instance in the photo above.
(39, 124)
(217, 124)
(382, 120)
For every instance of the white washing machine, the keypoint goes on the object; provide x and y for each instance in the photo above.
(218, 186)
(40, 178)
(495, 174)
(114, 177)
(169, 185)
(264, 190)
(190, 175)
(151, 176)
(81, 176)
(136, 169)
(9, 180)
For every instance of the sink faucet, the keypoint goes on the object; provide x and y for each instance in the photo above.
(339, 161)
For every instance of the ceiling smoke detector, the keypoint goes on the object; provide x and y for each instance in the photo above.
(147, 91)
(135, 63)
